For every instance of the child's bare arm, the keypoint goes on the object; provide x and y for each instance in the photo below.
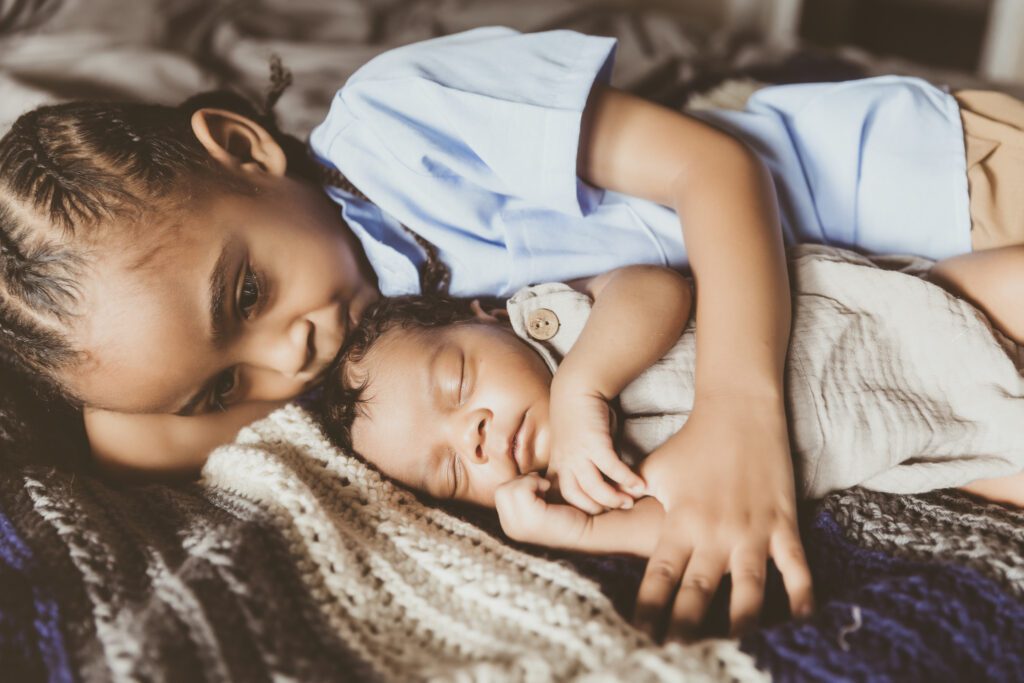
(734, 447)
(143, 446)
(992, 280)
(638, 313)
(526, 516)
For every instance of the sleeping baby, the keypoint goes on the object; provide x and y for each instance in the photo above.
(892, 383)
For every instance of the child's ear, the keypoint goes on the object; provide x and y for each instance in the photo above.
(492, 316)
(238, 142)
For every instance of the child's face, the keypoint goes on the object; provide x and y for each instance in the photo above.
(453, 411)
(289, 280)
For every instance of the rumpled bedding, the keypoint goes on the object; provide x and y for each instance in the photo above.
(290, 560)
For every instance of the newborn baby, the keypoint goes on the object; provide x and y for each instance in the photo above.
(892, 383)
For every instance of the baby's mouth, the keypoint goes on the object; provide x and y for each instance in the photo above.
(518, 447)
(515, 451)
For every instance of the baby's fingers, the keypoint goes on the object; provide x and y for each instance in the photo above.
(525, 489)
(619, 472)
(594, 485)
(574, 494)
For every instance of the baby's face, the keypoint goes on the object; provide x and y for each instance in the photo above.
(453, 411)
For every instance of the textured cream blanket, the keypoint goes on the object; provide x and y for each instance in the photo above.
(421, 595)
(891, 382)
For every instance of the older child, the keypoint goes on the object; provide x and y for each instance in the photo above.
(461, 404)
(177, 272)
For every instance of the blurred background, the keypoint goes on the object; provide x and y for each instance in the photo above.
(982, 36)
(669, 50)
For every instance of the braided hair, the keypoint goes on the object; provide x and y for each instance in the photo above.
(68, 173)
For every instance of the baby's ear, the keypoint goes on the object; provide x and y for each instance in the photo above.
(492, 316)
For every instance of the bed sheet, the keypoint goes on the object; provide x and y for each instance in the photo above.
(229, 580)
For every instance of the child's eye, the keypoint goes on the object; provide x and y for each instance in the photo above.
(249, 296)
(223, 387)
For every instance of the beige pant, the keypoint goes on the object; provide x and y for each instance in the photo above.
(994, 138)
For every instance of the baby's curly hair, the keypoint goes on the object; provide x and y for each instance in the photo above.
(341, 402)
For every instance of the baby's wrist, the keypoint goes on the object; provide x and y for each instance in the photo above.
(568, 383)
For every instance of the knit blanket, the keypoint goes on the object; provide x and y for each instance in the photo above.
(292, 560)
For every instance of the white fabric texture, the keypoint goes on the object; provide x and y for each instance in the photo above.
(422, 595)
(891, 382)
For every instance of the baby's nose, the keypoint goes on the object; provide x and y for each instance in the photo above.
(474, 436)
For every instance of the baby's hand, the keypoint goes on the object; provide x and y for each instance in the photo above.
(526, 516)
(582, 451)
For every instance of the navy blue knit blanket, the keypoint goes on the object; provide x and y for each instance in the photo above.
(925, 588)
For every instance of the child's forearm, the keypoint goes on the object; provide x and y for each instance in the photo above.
(633, 532)
(164, 447)
(639, 312)
(731, 229)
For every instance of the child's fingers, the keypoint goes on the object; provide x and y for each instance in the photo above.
(594, 485)
(788, 554)
(619, 472)
(575, 496)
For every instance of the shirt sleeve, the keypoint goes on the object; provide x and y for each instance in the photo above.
(492, 107)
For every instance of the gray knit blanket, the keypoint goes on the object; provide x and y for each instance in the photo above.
(291, 560)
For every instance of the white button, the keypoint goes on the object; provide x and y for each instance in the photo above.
(542, 324)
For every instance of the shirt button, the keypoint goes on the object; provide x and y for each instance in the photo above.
(542, 324)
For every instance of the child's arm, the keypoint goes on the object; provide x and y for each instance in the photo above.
(736, 506)
(526, 516)
(639, 312)
(144, 446)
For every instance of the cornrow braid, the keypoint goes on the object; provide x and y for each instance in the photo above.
(280, 80)
(53, 187)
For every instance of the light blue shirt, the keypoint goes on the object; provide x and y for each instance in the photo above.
(471, 140)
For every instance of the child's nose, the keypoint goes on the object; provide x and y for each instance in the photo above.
(289, 351)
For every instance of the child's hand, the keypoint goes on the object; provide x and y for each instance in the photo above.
(526, 516)
(582, 451)
(726, 482)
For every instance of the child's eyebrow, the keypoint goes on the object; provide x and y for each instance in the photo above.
(218, 327)
(218, 291)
